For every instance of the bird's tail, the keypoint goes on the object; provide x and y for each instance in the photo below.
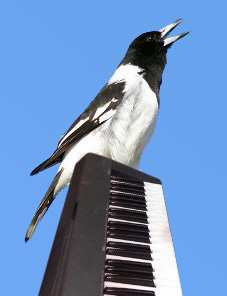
(43, 207)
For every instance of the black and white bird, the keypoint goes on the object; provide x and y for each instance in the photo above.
(120, 121)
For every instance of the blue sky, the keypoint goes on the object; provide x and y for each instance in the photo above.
(54, 58)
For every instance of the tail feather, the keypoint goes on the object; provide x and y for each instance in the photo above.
(43, 207)
(46, 164)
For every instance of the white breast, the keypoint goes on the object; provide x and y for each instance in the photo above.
(133, 124)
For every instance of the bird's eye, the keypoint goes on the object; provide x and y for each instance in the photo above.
(149, 38)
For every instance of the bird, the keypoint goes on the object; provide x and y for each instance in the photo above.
(120, 121)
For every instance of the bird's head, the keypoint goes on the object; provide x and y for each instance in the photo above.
(149, 49)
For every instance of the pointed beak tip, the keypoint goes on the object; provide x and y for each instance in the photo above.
(182, 35)
(179, 21)
(166, 31)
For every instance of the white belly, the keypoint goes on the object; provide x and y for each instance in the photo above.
(133, 124)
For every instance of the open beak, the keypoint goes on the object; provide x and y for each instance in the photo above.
(166, 30)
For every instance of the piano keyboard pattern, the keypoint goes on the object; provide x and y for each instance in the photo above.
(140, 259)
(113, 237)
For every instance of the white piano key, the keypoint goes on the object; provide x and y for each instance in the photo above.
(160, 263)
(153, 247)
(151, 211)
(158, 202)
(159, 291)
(155, 239)
(154, 220)
(166, 282)
(167, 273)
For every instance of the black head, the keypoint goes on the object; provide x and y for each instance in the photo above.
(149, 49)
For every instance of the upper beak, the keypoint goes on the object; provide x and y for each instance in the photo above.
(166, 30)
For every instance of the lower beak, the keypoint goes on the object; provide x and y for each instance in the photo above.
(166, 30)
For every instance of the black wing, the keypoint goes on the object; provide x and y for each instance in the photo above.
(98, 112)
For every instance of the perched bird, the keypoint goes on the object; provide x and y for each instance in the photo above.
(120, 121)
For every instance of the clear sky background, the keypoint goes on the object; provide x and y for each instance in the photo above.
(54, 58)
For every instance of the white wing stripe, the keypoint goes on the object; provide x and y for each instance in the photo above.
(107, 115)
(100, 110)
(82, 121)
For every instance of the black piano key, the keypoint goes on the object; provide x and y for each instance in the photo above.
(127, 189)
(129, 254)
(115, 188)
(129, 250)
(135, 280)
(129, 247)
(128, 226)
(127, 292)
(128, 215)
(130, 274)
(127, 231)
(126, 193)
(133, 232)
(139, 266)
(128, 205)
(124, 235)
(124, 270)
(139, 201)
(127, 182)
(128, 270)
